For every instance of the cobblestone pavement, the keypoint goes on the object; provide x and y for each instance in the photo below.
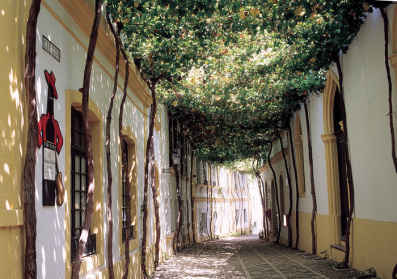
(246, 257)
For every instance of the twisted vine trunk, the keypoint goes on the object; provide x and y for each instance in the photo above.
(191, 197)
(125, 165)
(393, 139)
(88, 137)
(29, 174)
(296, 187)
(207, 207)
(290, 194)
(262, 195)
(156, 209)
(146, 184)
(348, 164)
(276, 192)
(211, 224)
(178, 222)
(107, 147)
(192, 208)
(313, 190)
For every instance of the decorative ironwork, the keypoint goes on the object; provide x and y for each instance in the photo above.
(51, 49)
(124, 231)
(89, 249)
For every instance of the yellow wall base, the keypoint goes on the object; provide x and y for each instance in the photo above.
(134, 271)
(373, 243)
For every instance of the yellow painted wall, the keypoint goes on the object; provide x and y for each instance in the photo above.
(305, 235)
(374, 244)
(133, 273)
(13, 131)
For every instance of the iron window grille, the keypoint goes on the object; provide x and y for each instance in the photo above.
(124, 199)
(79, 186)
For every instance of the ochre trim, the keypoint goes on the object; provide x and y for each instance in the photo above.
(91, 262)
(331, 84)
(80, 12)
(277, 158)
(131, 141)
(11, 217)
(157, 125)
(146, 100)
(331, 157)
(73, 99)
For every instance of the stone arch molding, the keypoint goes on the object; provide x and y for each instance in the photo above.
(331, 156)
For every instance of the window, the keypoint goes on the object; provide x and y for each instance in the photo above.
(237, 213)
(79, 186)
(245, 216)
(124, 200)
(204, 174)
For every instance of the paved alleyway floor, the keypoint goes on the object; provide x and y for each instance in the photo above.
(246, 257)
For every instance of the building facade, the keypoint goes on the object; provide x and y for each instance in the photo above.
(63, 32)
(366, 99)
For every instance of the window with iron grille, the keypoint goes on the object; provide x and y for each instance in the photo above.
(199, 176)
(79, 186)
(124, 199)
(204, 173)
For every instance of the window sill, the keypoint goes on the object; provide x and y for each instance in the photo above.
(133, 245)
(91, 262)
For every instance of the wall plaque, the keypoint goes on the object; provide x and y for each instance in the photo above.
(51, 49)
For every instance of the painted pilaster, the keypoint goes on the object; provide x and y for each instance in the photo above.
(333, 186)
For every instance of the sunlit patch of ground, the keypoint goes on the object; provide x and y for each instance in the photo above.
(245, 257)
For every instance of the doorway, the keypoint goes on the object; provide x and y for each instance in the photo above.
(344, 194)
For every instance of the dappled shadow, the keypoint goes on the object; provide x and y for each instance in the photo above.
(210, 259)
(247, 257)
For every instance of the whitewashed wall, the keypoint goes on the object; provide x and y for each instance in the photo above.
(51, 254)
(366, 97)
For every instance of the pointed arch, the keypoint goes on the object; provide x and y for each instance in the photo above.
(331, 157)
(331, 83)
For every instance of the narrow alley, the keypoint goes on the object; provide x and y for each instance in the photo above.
(246, 257)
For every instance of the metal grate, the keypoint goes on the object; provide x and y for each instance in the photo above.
(124, 231)
(89, 249)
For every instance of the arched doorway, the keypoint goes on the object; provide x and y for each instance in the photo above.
(331, 154)
(343, 190)
(274, 212)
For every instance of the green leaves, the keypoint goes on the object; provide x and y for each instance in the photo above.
(245, 66)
